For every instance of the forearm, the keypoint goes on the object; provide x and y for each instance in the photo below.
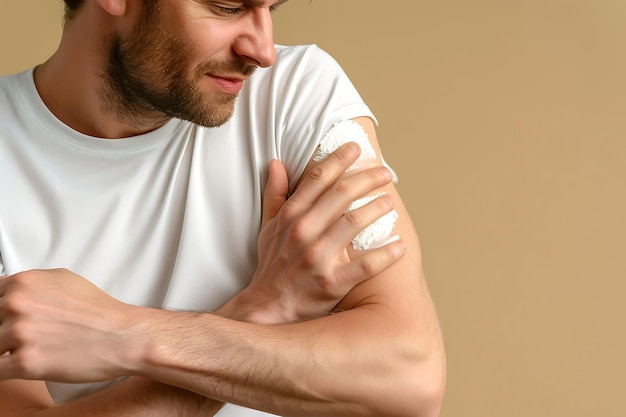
(139, 397)
(381, 354)
(301, 369)
(354, 363)
(135, 397)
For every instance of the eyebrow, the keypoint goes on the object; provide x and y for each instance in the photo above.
(258, 3)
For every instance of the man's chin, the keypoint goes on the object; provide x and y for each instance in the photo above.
(215, 116)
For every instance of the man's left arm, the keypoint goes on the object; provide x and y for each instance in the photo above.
(380, 353)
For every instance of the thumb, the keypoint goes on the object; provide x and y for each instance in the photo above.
(275, 193)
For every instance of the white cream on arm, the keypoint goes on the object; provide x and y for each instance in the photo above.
(378, 233)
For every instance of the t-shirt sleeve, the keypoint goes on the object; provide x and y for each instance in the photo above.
(315, 93)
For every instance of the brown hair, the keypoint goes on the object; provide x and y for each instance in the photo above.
(71, 7)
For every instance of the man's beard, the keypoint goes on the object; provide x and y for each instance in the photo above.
(147, 80)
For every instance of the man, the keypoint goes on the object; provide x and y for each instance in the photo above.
(137, 157)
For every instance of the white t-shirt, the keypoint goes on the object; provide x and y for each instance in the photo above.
(167, 219)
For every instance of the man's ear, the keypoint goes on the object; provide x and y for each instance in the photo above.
(113, 7)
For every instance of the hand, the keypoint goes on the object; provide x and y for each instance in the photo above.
(304, 266)
(58, 326)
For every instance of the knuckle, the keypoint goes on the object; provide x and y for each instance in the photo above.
(298, 232)
(21, 333)
(24, 363)
(321, 275)
(368, 266)
(26, 278)
(317, 173)
(326, 283)
(14, 303)
(342, 186)
(311, 256)
(285, 214)
(354, 218)
(21, 278)
(289, 214)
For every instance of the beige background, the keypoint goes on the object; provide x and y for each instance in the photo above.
(504, 119)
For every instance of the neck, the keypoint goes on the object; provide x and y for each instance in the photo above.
(72, 84)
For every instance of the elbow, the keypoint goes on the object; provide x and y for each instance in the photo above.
(424, 394)
(417, 391)
(430, 394)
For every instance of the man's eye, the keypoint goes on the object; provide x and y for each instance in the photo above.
(274, 7)
(230, 10)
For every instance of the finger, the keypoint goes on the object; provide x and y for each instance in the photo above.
(324, 175)
(9, 366)
(5, 349)
(343, 231)
(275, 193)
(4, 283)
(333, 203)
(5, 360)
(370, 264)
(6, 342)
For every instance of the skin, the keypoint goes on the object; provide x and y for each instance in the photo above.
(151, 55)
(380, 353)
(51, 295)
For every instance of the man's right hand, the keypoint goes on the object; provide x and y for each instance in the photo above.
(304, 267)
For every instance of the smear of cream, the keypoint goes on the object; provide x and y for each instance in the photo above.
(344, 132)
(379, 232)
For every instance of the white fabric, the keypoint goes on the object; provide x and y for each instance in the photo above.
(167, 219)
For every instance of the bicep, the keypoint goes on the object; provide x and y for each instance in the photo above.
(397, 300)
(403, 280)
(18, 397)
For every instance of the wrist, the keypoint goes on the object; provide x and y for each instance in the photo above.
(137, 329)
(151, 398)
(245, 306)
(183, 403)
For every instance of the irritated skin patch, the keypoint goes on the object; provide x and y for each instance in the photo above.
(378, 233)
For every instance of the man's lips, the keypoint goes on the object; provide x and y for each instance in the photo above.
(231, 85)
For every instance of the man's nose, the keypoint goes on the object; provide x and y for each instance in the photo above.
(256, 43)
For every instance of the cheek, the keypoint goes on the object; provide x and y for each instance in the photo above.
(212, 40)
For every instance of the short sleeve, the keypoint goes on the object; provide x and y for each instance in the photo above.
(318, 94)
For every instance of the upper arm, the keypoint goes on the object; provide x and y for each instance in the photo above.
(402, 280)
(18, 397)
(394, 309)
